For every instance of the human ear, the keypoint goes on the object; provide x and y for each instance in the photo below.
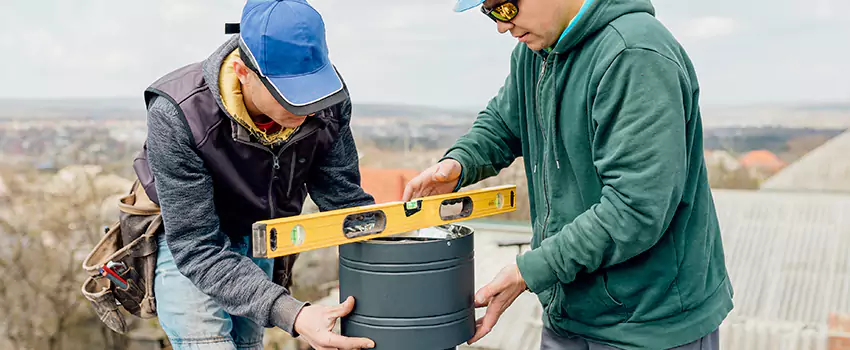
(241, 71)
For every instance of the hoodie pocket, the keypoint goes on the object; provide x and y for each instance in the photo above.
(588, 301)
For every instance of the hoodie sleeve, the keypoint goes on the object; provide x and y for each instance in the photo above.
(639, 151)
(492, 143)
(201, 251)
(335, 183)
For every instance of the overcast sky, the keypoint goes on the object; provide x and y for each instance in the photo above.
(414, 52)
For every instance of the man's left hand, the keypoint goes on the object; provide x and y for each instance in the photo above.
(497, 296)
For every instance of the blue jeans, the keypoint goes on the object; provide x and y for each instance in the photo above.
(192, 319)
(553, 341)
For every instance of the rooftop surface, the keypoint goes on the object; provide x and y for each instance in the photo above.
(825, 169)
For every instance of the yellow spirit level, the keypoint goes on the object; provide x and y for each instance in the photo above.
(285, 236)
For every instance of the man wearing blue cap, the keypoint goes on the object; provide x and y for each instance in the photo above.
(602, 104)
(244, 136)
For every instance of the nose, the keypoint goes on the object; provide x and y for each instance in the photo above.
(503, 27)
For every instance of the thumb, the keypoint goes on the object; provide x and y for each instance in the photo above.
(483, 296)
(447, 170)
(336, 341)
(345, 308)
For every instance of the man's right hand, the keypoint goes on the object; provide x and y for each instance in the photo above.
(441, 178)
(315, 324)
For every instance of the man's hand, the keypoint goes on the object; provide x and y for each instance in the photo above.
(315, 324)
(497, 296)
(439, 179)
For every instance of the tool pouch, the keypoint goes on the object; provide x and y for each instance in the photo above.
(130, 243)
(282, 272)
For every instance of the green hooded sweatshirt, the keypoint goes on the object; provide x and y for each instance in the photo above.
(626, 248)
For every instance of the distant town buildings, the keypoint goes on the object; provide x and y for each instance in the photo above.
(744, 171)
(55, 144)
(761, 163)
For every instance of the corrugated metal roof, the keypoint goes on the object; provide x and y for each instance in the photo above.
(787, 254)
(826, 168)
(742, 334)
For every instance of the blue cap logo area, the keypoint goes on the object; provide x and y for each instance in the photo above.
(284, 42)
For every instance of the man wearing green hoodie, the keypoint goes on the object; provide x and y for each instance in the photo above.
(602, 104)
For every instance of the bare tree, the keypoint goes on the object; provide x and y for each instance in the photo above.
(720, 176)
(47, 224)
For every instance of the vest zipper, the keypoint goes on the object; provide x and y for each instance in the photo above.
(275, 167)
(276, 162)
(291, 173)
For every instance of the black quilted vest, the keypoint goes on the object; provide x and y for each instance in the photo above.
(251, 182)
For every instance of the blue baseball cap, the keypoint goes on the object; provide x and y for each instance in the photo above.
(284, 42)
(463, 5)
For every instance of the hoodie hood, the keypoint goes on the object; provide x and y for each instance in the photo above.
(598, 15)
(243, 126)
(227, 94)
(594, 15)
(212, 69)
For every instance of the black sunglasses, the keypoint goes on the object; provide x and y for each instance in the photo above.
(503, 12)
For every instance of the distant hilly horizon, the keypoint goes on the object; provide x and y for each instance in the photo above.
(133, 108)
(827, 115)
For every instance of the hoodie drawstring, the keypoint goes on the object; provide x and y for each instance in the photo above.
(555, 125)
(557, 103)
(557, 86)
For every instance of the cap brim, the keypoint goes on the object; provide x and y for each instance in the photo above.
(463, 5)
(303, 94)
(307, 94)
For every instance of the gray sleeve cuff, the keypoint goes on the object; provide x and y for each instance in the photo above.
(284, 311)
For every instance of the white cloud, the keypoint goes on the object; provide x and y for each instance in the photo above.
(178, 11)
(417, 52)
(823, 9)
(711, 27)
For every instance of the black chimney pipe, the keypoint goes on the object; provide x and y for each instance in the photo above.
(411, 293)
